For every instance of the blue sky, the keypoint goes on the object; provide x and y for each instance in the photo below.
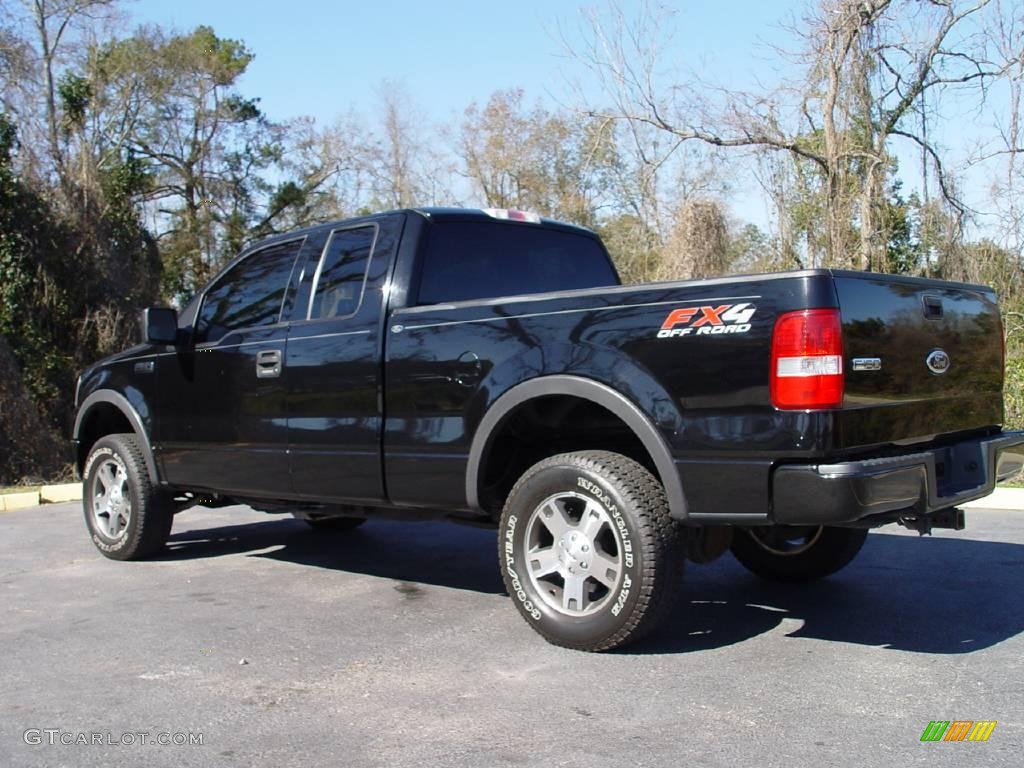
(320, 58)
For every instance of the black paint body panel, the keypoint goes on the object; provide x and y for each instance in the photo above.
(333, 376)
(381, 408)
(888, 318)
(707, 395)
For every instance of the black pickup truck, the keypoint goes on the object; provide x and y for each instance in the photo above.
(487, 366)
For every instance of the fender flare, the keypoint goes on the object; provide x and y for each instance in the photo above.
(122, 404)
(585, 389)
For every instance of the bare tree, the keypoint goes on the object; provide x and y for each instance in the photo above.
(552, 162)
(868, 65)
(392, 159)
(52, 24)
(329, 166)
(697, 244)
(1007, 33)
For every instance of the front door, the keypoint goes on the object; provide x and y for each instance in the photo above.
(223, 424)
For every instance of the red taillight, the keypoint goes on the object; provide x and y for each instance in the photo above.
(807, 360)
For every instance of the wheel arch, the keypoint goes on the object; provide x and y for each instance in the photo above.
(106, 412)
(595, 392)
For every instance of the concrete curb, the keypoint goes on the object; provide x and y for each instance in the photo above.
(21, 500)
(55, 494)
(48, 494)
(1001, 498)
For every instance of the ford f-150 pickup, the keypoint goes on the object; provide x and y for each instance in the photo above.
(487, 366)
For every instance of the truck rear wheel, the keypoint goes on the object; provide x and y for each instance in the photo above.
(797, 553)
(128, 518)
(588, 550)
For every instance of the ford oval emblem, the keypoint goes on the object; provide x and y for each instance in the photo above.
(938, 361)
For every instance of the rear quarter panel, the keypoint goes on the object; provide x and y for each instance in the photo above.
(706, 393)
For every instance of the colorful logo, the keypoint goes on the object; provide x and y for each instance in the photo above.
(958, 730)
(713, 320)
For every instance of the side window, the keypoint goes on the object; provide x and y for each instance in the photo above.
(249, 294)
(341, 275)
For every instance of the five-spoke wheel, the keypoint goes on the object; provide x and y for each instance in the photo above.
(574, 554)
(111, 498)
(589, 552)
(128, 517)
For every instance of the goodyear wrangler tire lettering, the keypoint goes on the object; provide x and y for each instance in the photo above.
(589, 550)
(513, 578)
(620, 524)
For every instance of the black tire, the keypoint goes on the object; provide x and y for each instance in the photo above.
(135, 530)
(335, 524)
(794, 554)
(636, 535)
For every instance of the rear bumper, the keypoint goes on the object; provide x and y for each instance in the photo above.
(917, 484)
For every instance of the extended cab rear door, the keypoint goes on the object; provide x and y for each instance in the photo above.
(441, 349)
(332, 369)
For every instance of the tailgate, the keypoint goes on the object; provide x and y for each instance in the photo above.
(922, 358)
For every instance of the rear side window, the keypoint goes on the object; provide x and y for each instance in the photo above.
(341, 275)
(484, 260)
(248, 295)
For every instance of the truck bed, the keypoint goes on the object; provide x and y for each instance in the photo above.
(703, 373)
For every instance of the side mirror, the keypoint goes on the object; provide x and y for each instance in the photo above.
(160, 325)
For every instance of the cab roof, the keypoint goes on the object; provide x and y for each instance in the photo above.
(431, 213)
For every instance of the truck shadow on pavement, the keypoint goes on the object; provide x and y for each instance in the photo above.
(440, 554)
(933, 595)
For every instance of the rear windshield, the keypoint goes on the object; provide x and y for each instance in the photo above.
(482, 260)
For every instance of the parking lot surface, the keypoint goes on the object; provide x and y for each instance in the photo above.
(395, 645)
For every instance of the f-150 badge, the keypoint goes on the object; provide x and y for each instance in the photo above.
(707, 321)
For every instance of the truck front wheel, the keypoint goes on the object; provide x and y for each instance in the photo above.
(588, 551)
(128, 517)
(797, 553)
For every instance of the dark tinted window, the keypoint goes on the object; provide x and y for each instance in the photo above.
(249, 294)
(482, 260)
(339, 285)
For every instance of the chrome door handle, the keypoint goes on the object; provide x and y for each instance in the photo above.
(268, 364)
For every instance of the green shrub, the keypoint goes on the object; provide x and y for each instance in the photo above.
(1013, 392)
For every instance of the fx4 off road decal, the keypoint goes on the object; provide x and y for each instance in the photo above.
(708, 320)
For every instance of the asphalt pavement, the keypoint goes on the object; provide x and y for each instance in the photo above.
(395, 645)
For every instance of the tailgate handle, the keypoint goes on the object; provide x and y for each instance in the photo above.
(932, 306)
